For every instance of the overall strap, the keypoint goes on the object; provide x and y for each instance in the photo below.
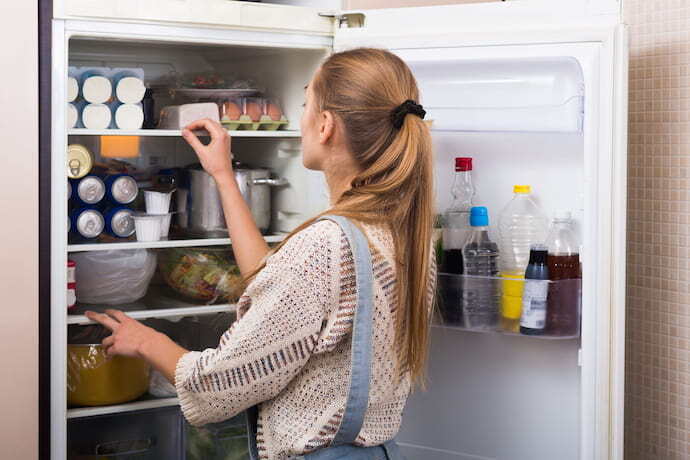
(358, 394)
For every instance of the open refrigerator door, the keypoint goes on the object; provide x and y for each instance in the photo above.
(535, 94)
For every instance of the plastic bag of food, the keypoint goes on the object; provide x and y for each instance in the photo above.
(218, 441)
(160, 387)
(208, 274)
(113, 277)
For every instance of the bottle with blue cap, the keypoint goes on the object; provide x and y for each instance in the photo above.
(481, 296)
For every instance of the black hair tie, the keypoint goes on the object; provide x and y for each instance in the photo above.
(399, 113)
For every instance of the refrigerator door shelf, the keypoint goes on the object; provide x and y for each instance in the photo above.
(530, 94)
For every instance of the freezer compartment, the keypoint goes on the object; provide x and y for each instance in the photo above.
(152, 434)
(527, 94)
(497, 304)
(219, 441)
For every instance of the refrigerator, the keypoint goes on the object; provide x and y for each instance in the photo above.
(534, 91)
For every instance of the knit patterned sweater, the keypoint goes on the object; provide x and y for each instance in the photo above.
(289, 350)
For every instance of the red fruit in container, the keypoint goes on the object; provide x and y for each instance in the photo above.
(253, 110)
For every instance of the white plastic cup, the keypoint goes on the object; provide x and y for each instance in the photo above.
(72, 117)
(72, 89)
(96, 89)
(129, 89)
(128, 116)
(148, 226)
(157, 202)
(96, 116)
(165, 224)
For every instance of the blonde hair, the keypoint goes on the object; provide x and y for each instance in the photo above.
(362, 87)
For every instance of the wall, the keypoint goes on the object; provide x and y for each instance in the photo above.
(19, 230)
(658, 307)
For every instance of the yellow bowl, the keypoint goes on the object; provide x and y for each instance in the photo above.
(94, 379)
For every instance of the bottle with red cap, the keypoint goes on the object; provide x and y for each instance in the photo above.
(456, 229)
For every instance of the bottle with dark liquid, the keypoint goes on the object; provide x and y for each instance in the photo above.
(563, 311)
(456, 229)
(535, 293)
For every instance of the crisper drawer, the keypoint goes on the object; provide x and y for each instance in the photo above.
(143, 435)
(226, 13)
(219, 441)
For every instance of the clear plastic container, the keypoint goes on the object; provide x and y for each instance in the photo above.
(453, 293)
(521, 224)
(480, 300)
(563, 312)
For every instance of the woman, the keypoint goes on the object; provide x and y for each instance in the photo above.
(320, 393)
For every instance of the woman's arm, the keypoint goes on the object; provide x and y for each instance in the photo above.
(248, 244)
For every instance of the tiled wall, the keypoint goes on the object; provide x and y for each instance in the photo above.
(658, 302)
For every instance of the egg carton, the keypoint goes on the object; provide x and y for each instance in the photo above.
(245, 123)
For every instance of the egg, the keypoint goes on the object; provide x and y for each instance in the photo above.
(273, 111)
(231, 111)
(253, 109)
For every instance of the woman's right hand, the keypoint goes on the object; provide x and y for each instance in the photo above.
(215, 157)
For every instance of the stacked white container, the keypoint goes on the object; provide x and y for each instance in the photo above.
(105, 98)
(155, 224)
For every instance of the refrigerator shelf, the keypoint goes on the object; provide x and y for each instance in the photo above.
(178, 133)
(163, 313)
(168, 243)
(152, 403)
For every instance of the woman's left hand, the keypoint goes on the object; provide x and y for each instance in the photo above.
(129, 336)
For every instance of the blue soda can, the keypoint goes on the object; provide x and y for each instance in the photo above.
(87, 222)
(90, 190)
(119, 221)
(121, 188)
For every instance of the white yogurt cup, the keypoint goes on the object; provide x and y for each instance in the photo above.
(130, 89)
(97, 89)
(72, 118)
(72, 89)
(96, 116)
(129, 116)
(157, 202)
(148, 226)
(165, 224)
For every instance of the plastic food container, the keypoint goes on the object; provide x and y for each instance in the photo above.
(202, 273)
(157, 202)
(165, 224)
(148, 226)
(94, 379)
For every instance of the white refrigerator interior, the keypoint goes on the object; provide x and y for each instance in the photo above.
(536, 105)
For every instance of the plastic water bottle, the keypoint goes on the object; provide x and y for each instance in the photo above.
(456, 226)
(481, 288)
(456, 229)
(520, 225)
(563, 313)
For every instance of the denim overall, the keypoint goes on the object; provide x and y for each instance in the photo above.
(342, 447)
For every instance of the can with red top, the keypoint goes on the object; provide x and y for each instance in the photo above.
(71, 284)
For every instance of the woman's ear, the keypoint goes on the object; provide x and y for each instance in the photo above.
(326, 126)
